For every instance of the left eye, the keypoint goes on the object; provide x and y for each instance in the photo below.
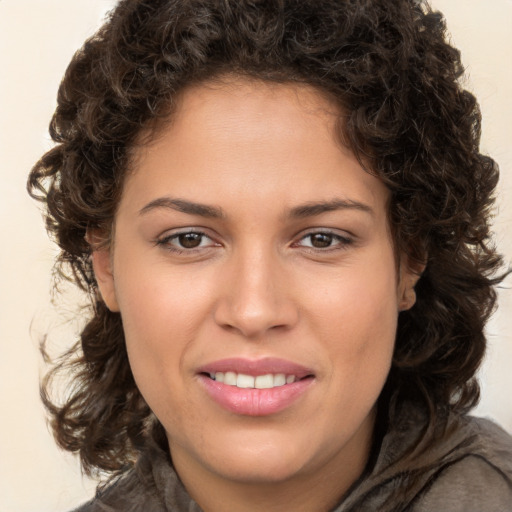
(321, 240)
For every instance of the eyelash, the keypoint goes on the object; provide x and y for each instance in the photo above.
(341, 242)
(338, 242)
(166, 242)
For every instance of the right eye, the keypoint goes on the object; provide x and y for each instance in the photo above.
(186, 241)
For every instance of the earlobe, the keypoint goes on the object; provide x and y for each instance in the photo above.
(103, 272)
(408, 299)
(408, 279)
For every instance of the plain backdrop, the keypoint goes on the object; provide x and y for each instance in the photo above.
(37, 40)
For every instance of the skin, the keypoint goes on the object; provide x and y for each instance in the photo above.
(258, 285)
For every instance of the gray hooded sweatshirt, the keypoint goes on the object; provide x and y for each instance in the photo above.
(466, 467)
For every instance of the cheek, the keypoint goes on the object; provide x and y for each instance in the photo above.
(158, 302)
(162, 313)
(356, 317)
(358, 299)
(159, 328)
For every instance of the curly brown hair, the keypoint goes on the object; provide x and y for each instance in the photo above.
(404, 113)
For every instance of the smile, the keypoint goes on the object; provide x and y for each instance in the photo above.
(241, 380)
(255, 387)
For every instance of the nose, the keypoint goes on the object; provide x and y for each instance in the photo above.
(255, 296)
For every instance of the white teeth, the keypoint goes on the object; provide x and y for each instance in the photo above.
(242, 380)
(264, 381)
(279, 379)
(230, 378)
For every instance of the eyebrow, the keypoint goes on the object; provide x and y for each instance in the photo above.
(317, 208)
(184, 206)
(214, 212)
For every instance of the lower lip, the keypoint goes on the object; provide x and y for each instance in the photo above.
(255, 402)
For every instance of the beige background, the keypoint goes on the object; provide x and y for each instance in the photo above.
(37, 39)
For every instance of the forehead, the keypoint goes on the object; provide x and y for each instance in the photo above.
(236, 107)
(248, 133)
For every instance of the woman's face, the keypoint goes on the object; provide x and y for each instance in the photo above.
(254, 271)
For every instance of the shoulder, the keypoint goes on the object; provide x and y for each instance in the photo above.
(478, 477)
(127, 494)
(151, 485)
(465, 465)
(470, 484)
(132, 491)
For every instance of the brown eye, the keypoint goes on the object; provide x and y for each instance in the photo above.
(186, 241)
(321, 240)
(190, 240)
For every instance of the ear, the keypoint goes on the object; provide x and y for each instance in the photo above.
(103, 271)
(409, 275)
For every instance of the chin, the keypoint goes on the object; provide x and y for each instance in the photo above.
(261, 457)
(250, 469)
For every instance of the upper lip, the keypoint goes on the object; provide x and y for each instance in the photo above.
(256, 367)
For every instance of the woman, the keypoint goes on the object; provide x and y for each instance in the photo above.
(260, 346)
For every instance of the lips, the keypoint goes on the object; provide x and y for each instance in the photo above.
(255, 388)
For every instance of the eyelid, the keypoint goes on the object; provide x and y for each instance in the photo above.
(168, 236)
(344, 239)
